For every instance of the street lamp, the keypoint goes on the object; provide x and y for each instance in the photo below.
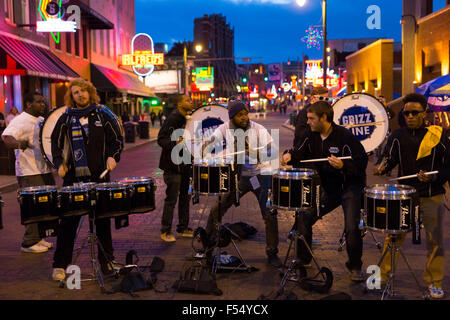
(301, 3)
(198, 49)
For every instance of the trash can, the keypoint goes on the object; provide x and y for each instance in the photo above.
(143, 129)
(130, 132)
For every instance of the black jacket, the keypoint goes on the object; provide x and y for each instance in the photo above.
(402, 148)
(175, 121)
(341, 142)
(104, 140)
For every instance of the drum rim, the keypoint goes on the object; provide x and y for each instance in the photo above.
(112, 186)
(408, 192)
(138, 179)
(67, 189)
(88, 185)
(41, 145)
(43, 188)
(294, 174)
(217, 164)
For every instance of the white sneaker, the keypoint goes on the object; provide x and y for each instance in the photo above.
(58, 274)
(435, 292)
(37, 248)
(45, 244)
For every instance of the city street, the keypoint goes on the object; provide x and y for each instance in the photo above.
(28, 276)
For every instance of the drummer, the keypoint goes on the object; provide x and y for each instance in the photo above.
(417, 149)
(254, 176)
(22, 134)
(342, 181)
(96, 142)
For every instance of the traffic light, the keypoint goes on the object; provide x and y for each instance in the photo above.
(244, 80)
(266, 78)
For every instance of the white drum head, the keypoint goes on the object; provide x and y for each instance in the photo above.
(202, 124)
(46, 133)
(365, 117)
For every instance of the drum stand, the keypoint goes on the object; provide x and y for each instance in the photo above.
(392, 247)
(296, 272)
(342, 240)
(92, 240)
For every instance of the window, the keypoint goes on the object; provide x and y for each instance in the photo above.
(85, 43)
(9, 10)
(25, 11)
(68, 42)
(77, 43)
(94, 40)
(108, 46)
(102, 43)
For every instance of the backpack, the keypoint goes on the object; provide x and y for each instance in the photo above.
(197, 278)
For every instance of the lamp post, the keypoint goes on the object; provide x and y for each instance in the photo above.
(198, 49)
(301, 3)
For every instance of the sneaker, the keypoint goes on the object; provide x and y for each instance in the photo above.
(186, 233)
(168, 237)
(109, 267)
(37, 248)
(274, 261)
(45, 244)
(355, 274)
(436, 292)
(58, 274)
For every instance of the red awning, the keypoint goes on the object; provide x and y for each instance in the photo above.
(36, 61)
(105, 79)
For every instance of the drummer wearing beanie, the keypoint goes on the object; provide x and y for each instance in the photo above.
(254, 176)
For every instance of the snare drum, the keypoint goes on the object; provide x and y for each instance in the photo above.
(390, 208)
(143, 198)
(74, 201)
(113, 200)
(295, 189)
(211, 177)
(38, 204)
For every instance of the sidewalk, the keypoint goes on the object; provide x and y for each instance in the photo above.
(9, 183)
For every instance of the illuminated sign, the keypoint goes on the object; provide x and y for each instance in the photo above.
(314, 74)
(142, 59)
(202, 79)
(56, 25)
(52, 13)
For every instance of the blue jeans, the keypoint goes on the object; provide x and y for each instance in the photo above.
(351, 201)
(261, 193)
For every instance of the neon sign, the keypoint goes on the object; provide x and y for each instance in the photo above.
(314, 74)
(52, 14)
(142, 59)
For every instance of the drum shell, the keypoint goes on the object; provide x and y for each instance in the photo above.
(74, 203)
(113, 202)
(38, 206)
(143, 198)
(296, 192)
(211, 180)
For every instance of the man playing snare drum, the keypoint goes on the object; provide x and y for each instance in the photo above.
(418, 149)
(22, 134)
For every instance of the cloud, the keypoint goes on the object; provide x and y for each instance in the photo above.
(280, 2)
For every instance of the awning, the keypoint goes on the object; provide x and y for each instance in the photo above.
(94, 19)
(36, 61)
(105, 79)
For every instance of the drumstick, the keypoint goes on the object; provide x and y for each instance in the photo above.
(363, 124)
(414, 176)
(104, 174)
(324, 159)
(235, 153)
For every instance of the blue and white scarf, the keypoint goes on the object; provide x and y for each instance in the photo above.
(78, 145)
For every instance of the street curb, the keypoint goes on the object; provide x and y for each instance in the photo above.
(288, 127)
(13, 186)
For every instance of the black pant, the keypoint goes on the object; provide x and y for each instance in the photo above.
(350, 199)
(177, 186)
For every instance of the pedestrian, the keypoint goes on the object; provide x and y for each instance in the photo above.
(153, 117)
(253, 176)
(22, 134)
(176, 177)
(160, 115)
(416, 149)
(96, 143)
(2, 121)
(14, 112)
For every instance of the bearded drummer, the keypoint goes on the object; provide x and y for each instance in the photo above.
(418, 149)
(95, 143)
(342, 181)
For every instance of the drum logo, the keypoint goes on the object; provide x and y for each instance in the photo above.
(359, 120)
(43, 199)
(284, 189)
(141, 189)
(79, 198)
(404, 213)
(118, 195)
(223, 179)
(305, 195)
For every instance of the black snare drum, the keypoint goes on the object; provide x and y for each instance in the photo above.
(74, 201)
(143, 198)
(38, 204)
(390, 208)
(113, 200)
(211, 177)
(295, 189)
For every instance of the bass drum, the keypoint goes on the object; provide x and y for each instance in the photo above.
(49, 124)
(201, 124)
(365, 116)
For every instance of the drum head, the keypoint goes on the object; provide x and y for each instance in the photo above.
(134, 180)
(365, 117)
(201, 125)
(389, 191)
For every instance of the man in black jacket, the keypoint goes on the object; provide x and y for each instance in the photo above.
(418, 149)
(342, 181)
(176, 176)
(95, 142)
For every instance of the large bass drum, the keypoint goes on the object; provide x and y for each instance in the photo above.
(201, 124)
(365, 116)
(49, 124)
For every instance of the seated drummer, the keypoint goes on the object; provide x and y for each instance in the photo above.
(95, 143)
(342, 181)
(417, 149)
(254, 176)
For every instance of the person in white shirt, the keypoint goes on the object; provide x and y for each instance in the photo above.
(253, 170)
(11, 115)
(22, 134)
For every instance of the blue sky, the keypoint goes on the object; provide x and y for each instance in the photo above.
(271, 29)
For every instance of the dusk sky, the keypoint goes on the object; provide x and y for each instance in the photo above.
(271, 29)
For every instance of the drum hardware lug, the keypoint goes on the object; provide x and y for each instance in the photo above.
(269, 199)
(58, 200)
(110, 194)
